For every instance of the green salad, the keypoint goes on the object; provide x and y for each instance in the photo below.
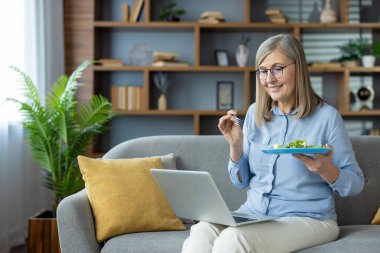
(298, 144)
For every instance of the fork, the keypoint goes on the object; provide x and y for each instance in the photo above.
(238, 121)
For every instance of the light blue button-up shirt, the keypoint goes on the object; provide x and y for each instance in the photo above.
(281, 185)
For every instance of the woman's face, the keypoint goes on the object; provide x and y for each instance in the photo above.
(281, 88)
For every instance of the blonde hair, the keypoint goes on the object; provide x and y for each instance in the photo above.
(306, 98)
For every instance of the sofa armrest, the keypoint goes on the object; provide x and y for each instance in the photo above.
(76, 228)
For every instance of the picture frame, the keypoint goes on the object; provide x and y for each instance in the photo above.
(224, 95)
(221, 57)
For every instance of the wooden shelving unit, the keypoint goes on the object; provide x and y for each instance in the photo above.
(84, 28)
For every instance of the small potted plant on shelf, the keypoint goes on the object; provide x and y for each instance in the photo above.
(58, 130)
(169, 12)
(367, 53)
(242, 51)
(351, 53)
(161, 80)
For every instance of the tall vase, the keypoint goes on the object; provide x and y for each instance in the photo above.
(328, 14)
(162, 104)
(242, 53)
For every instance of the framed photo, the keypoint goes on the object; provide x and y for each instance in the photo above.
(225, 95)
(221, 57)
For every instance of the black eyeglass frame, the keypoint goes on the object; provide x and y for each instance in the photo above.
(258, 71)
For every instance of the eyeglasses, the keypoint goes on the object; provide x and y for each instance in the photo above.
(276, 71)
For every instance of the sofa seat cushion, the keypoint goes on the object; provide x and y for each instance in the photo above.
(352, 239)
(147, 242)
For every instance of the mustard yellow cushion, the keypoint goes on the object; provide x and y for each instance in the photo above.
(125, 197)
(376, 219)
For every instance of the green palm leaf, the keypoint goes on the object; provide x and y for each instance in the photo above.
(62, 129)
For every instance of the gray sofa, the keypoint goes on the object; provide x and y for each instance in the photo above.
(76, 224)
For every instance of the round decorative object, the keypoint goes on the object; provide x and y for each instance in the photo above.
(366, 96)
(328, 14)
(242, 53)
(140, 55)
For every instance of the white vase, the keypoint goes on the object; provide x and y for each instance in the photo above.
(162, 104)
(328, 14)
(242, 53)
(368, 61)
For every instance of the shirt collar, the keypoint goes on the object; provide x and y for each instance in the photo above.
(276, 110)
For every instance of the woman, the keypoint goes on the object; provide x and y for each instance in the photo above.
(297, 188)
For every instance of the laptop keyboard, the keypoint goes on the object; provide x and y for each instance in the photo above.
(239, 219)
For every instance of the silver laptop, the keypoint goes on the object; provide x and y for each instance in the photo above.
(194, 195)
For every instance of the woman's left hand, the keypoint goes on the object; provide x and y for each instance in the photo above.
(321, 164)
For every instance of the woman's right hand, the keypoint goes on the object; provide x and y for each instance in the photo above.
(232, 132)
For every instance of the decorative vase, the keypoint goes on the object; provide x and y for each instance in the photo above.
(162, 104)
(328, 14)
(242, 53)
(368, 61)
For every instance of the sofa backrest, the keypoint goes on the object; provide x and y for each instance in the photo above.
(362, 208)
(211, 153)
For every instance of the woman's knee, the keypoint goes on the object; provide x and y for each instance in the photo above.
(231, 240)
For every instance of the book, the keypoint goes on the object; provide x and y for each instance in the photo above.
(279, 20)
(125, 12)
(111, 62)
(119, 97)
(212, 14)
(270, 12)
(169, 63)
(165, 56)
(136, 10)
(134, 98)
(210, 21)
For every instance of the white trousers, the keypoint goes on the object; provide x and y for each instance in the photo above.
(285, 234)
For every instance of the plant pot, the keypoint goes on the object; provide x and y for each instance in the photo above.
(368, 61)
(352, 63)
(173, 19)
(242, 53)
(43, 233)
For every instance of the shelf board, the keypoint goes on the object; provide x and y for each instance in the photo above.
(364, 113)
(98, 68)
(226, 25)
(173, 68)
(121, 24)
(172, 112)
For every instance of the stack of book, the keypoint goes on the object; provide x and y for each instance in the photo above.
(167, 59)
(126, 97)
(111, 62)
(276, 16)
(211, 17)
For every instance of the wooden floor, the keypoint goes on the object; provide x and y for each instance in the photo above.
(19, 249)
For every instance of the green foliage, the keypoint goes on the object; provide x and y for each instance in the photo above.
(244, 40)
(168, 12)
(355, 49)
(352, 50)
(161, 80)
(376, 48)
(61, 130)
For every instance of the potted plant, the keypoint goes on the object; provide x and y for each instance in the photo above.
(351, 53)
(58, 131)
(242, 51)
(367, 56)
(169, 12)
(370, 51)
(161, 80)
